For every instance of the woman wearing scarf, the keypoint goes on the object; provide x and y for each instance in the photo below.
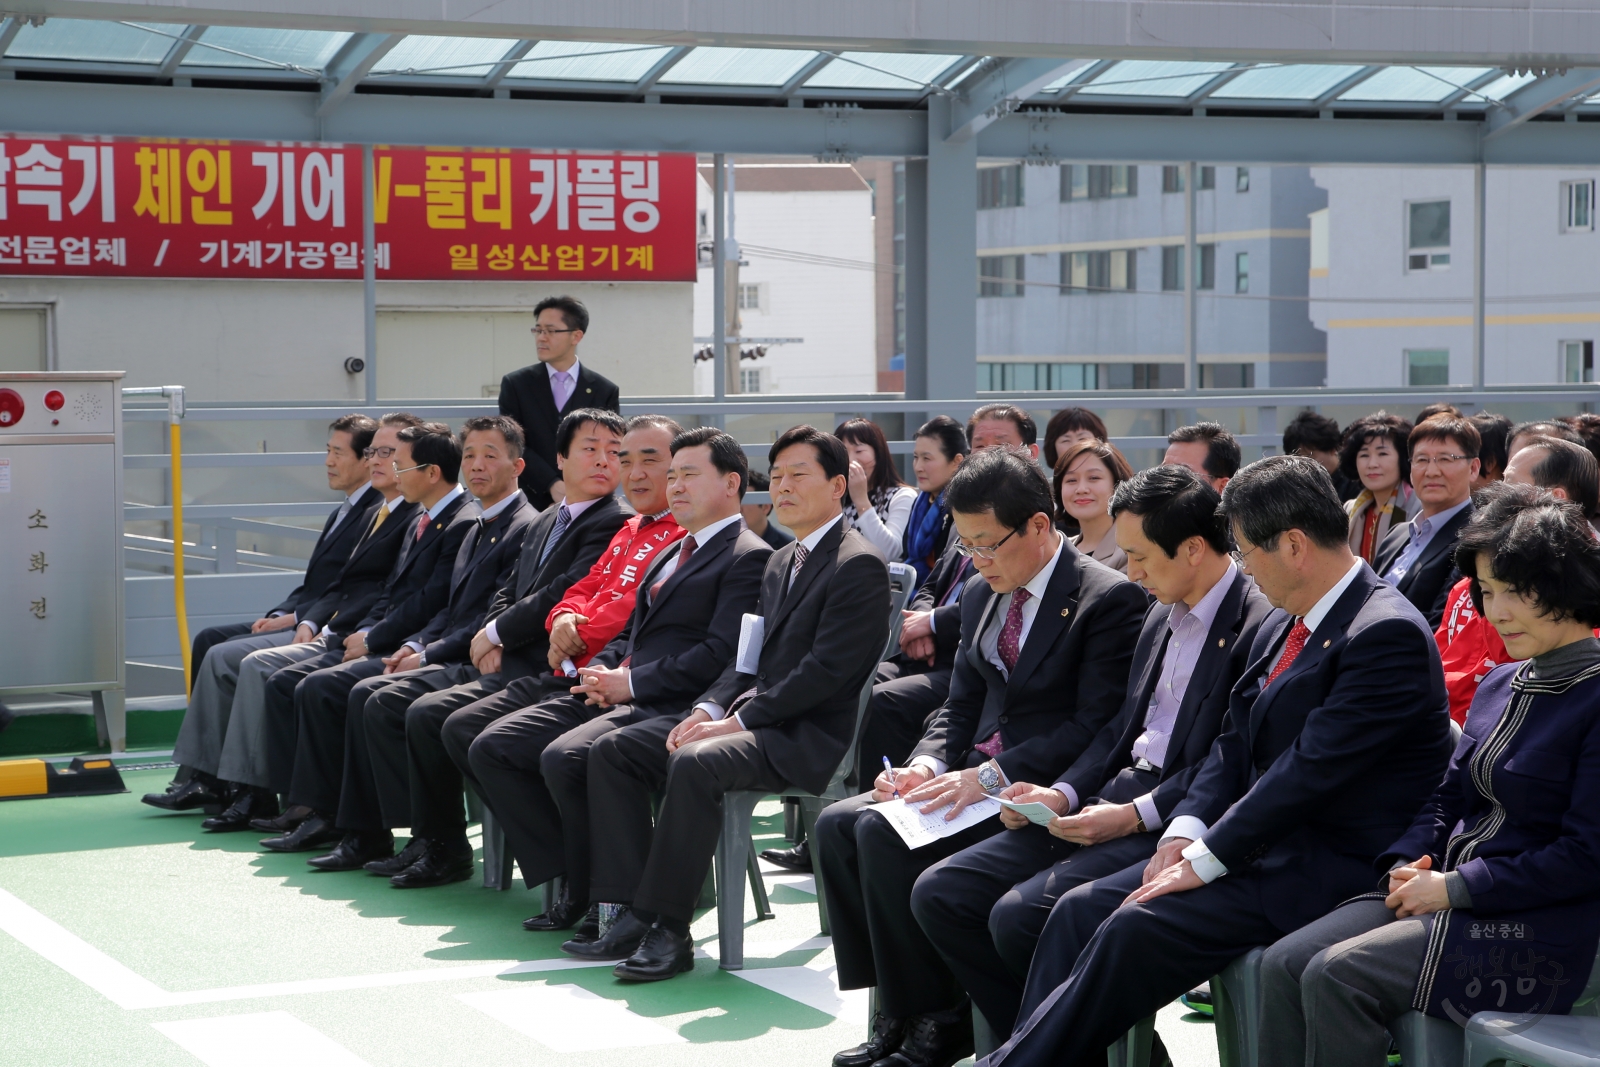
(940, 448)
(876, 504)
(1376, 453)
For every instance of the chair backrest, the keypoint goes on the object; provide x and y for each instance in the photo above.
(902, 582)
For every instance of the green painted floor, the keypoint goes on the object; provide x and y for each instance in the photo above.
(132, 938)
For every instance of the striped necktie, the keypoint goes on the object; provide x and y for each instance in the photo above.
(563, 520)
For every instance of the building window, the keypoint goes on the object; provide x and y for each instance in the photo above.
(1227, 375)
(1241, 272)
(1241, 179)
(1427, 366)
(1098, 272)
(1001, 275)
(1172, 179)
(1577, 206)
(750, 296)
(1577, 361)
(1000, 186)
(1428, 235)
(1037, 377)
(750, 379)
(1098, 182)
(1141, 375)
(1172, 267)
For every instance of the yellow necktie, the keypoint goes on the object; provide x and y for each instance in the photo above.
(383, 513)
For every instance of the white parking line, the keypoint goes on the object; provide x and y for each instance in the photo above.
(267, 1039)
(565, 1018)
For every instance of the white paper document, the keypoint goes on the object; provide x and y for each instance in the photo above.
(752, 628)
(917, 829)
(1036, 813)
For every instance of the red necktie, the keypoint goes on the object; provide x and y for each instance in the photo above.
(422, 524)
(1291, 648)
(683, 561)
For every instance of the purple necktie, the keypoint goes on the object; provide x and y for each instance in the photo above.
(561, 386)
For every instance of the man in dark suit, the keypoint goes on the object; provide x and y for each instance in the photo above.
(539, 396)
(427, 464)
(211, 695)
(758, 517)
(1115, 797)
(511, 654)
(1046, 636)
(1336, 733)
(533, 764)
(1418, 558)
(780, 714)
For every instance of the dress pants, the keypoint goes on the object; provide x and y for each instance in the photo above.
(504, 762)
(902, 700)
(1101, 967)
(320, 701)
(565, 768)
(867, 873)
(282, 729)
(375, 793)
(209, 638)
(1330, 989)
(205, 724)
(665, 871)
(244, 749)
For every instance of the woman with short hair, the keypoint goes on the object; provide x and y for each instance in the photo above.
(1376, 454)
(877, 504)
(937, 453)
(1068, 427)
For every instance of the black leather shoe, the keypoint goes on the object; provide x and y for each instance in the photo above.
(355, 852)
(563, 915)
(887, 1034)
(248, 803)
(292, 816)
(312, 834)
(934, 1040)
(588, 925)
(388, 868)
(661, 955)
(793, 859)
(618, 943)
(438, 866)
(198, 792)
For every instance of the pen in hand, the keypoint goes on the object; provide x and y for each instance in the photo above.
(889, 773)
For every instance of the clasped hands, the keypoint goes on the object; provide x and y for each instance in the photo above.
(916, 636)
(700, 726)
(604, 686)
(565, 641)
(485, 654)
(1417, 889)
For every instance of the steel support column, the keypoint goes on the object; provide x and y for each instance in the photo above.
(1479, 216)
(952, 258)
(719, 277)
(369, 276)
(1191, 272)
(916, 279)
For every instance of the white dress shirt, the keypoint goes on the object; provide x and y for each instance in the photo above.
(1423, 528)
(390, 502)
(345, 511)
(573, 510)
(1207, 866)
(707, 532)
(552, 372)
(493, 511)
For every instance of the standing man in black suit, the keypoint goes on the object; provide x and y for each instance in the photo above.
(779, 715)
(1336, 734)
(1046, 637)
(1419, 558)
(511, 654)
(533, 764)
(211, 695)
(540, 395)
(984, 907)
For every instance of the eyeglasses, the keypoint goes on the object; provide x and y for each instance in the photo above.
(1240, 557)
(984, 551)
(377, 452)
(406, 470)
(546, 331)
(1441, 462)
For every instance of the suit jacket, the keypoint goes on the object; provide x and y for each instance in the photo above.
(331, 552)
(1224, 655)
(822, 640)
(946, 617)
(520, 606)
(1427, 584)
(525, 395)
(419, 585)
(1071, 674)
(483, 563)
(362, 579)
(1316, 774)
(680, 641)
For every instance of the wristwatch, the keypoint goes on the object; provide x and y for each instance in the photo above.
(988, 777)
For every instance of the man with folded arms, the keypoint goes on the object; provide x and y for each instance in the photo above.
(783, 720)
(533, 764)
(983, 908)
(1335, 735)
(1042, 666)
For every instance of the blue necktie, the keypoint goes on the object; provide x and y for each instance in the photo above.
(563, 520)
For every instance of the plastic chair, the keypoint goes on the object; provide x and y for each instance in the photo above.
(1494, 1038)
(1132, 1049)
(735, 850)
(1236, 1007)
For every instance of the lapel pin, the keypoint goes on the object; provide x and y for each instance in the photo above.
(1065, 611)
(1328, 642)
(1222, 642)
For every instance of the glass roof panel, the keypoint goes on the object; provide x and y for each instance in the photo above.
(1143, 77)
(1501, 87)
(738, 66)
(459, 57)
(1076, 74)
(89, 40)
(1297, 81)
(881, 70)
(244, 46)
(588, 61)
(1427, 85)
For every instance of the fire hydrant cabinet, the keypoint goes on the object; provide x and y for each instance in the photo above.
(61, 590)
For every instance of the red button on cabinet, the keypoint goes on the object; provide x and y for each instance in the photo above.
(11, 407)
(54, 400)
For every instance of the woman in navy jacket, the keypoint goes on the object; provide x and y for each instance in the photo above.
(1492, 897)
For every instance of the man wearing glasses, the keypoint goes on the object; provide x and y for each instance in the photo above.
(1046, 640)
(1419, 558)
(540, 395)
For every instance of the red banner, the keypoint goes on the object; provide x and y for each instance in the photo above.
(239, 209)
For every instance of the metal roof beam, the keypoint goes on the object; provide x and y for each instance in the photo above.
(508, 62)
(1539, 97)
(8, 32)
(1198, 97)
(656, 72)
(1345, 86)
(804, 74)
(1004, 87)
(353, 62)
(180, 48)
(1470, 89)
